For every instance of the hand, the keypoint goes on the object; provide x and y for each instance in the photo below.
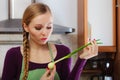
(49, 74)
(90, 51)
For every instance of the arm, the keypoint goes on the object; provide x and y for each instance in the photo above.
(77, 69)
(65, 68)
(9, 69)
(89, 52)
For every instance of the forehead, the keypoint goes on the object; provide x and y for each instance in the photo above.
(43, 18)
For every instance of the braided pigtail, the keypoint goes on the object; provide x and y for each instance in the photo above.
(26, 55)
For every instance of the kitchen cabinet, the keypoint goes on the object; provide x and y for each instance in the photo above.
(97, 20)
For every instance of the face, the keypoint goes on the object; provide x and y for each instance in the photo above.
(40, 28)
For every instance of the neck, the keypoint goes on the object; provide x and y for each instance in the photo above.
(35, 46)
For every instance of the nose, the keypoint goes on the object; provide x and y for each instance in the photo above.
(43, 32)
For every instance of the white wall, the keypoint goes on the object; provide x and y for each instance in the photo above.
(64, 11)
(18, 7)
(3, 10)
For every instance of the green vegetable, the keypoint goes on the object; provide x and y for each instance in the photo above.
(75, 51)
(51, 65)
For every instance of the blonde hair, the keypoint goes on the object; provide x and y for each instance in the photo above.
(31, 12)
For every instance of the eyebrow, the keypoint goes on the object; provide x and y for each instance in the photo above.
(42, 25)
(38, 24)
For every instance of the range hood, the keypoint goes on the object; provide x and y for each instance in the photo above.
(14, 26)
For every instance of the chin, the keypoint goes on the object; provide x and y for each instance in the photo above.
(43, 43)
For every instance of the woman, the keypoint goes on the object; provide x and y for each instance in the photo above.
(29, 62)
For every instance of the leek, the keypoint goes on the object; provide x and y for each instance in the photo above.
(75, 51)
(72, 53)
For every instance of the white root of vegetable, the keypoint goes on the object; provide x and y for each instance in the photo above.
(51, 65)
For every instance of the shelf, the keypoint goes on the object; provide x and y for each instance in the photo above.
(95, 71)
(107, 49)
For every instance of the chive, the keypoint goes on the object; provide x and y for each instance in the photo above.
(75, 51)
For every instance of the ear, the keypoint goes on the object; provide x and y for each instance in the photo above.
(25, 27)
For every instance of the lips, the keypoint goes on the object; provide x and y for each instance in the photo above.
(43, 39)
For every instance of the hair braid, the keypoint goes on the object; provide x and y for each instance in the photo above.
(26, 55)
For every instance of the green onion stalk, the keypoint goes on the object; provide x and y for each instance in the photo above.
(51, 65)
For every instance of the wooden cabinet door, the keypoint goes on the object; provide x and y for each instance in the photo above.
(117, 58)
(97, 20)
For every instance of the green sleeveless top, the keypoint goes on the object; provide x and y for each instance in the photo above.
(36, 74)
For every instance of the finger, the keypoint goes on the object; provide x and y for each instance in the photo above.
(91, 52)
(54, 69)
(91, 48)
(53, 72)
(93, 42)
(87, 50)
(95, 46)
(48, 72)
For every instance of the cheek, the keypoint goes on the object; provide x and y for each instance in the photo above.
(33, 34)
(50, 31)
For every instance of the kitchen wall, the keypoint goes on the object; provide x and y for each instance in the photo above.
(66, 9)
(3, 9)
